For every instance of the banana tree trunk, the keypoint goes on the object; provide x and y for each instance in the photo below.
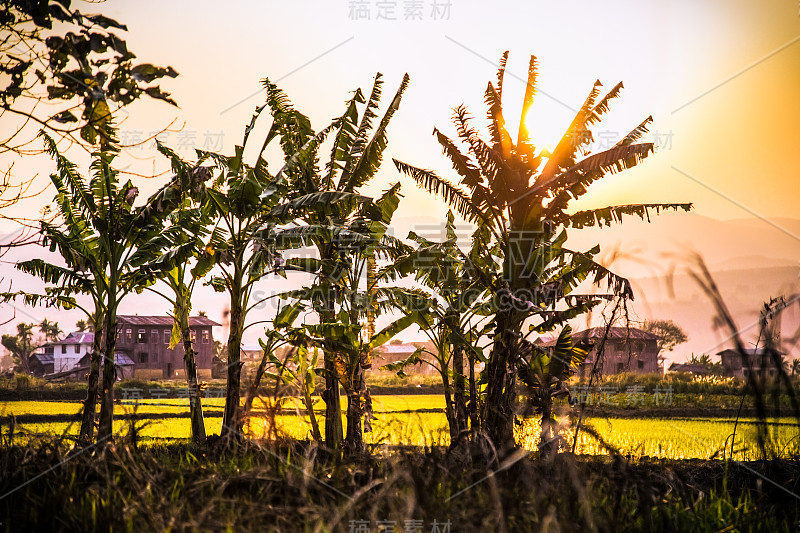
(252, 390)
(190, 364)
(547, 444)
(309, 404)
(105, 429)
(473, 394)
(354, 440)
(459, 390)
(90, 403)
(334, 431)
(449, 412)
(231, 417)
(500, 388)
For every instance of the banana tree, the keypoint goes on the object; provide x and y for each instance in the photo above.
(545, 371)
(338, 289)
(56, 297)
(328, 225)
(298, 368)
(246, 203)
(520, 196)
(175, 255)
(352, 355)
(97, 233)
(452, 317)
(280, 334)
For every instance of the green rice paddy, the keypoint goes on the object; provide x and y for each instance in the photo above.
(419, 420)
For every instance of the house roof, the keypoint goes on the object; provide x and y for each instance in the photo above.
(688, 367)
(405, 347)
(751, 351)
(44, 358)
(77, 337)
(120, 359)
(165, 320)
(397, 348)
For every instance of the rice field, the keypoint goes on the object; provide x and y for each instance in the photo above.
(419, 420)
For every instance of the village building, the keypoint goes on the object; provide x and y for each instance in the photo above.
(124, 367)
(398, 350)
(41, 362)
(251, 353)
(145, 341)
(68, 351)
(61, 356)
(763, 362)
(625, 350)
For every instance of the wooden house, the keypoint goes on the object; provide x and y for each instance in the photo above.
(145, 340)
(763, 362)
(624, 350)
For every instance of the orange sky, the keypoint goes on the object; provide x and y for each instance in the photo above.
(736, 143)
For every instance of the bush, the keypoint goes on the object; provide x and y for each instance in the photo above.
(26, 382)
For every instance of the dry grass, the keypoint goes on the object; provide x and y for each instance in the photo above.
(296, 486)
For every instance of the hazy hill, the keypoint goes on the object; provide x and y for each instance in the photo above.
(682, 300)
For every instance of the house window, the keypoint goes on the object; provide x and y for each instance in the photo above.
(167, 335)
(129, 336)
(194, 336)
(143, 357)
(141, 337)
(640, 364)
(206, 336)
(77, 348)
(63, 348)
(620, 367)
(154, 334)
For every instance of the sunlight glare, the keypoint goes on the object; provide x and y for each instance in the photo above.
(546, 124)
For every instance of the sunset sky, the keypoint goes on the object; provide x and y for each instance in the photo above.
(721, 79)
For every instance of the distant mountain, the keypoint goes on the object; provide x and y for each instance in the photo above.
(753, 261)
(679, 298)
(645, 249)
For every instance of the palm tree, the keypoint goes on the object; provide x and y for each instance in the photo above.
(521, 195)
(50, 330)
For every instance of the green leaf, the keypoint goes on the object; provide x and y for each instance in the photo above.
(147, 72)
(287, 315)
